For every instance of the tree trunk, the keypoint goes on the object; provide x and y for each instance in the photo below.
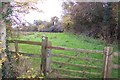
(3, 42)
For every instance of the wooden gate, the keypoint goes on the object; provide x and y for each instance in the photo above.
(61, 62)
(78, 63)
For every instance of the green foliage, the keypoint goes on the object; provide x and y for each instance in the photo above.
(94, 18)
(67, 23)
(8, 10)
(41, 27)
(87, 13)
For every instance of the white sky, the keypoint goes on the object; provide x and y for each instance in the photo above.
(50, 8)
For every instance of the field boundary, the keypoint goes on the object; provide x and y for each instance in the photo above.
(46, 47)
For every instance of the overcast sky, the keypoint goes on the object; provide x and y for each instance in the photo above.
(50, 8)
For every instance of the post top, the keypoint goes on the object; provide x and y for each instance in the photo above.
(44, 37)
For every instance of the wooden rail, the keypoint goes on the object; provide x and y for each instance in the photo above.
(76, 65)
(25, 42)
(75, 71)
(115, 66)
(115, 54)
(73, 49)
(75, 58)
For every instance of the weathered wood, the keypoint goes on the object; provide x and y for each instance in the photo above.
(48, 58)
(107, 69)
(25, 42)
(77, 65)
(115, 66)
(73, 49)
(16, 50)
(16, 47)
(44, 55)
(3, 35)
(2, 42)
(76, 58)
(75, 71)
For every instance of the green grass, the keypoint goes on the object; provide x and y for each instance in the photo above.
(70, 41)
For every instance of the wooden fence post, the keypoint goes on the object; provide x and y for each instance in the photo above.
(48, 58)
(16, 51)
(107, 69)
(45, 57)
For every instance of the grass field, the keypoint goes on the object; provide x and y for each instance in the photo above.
(66, 40)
